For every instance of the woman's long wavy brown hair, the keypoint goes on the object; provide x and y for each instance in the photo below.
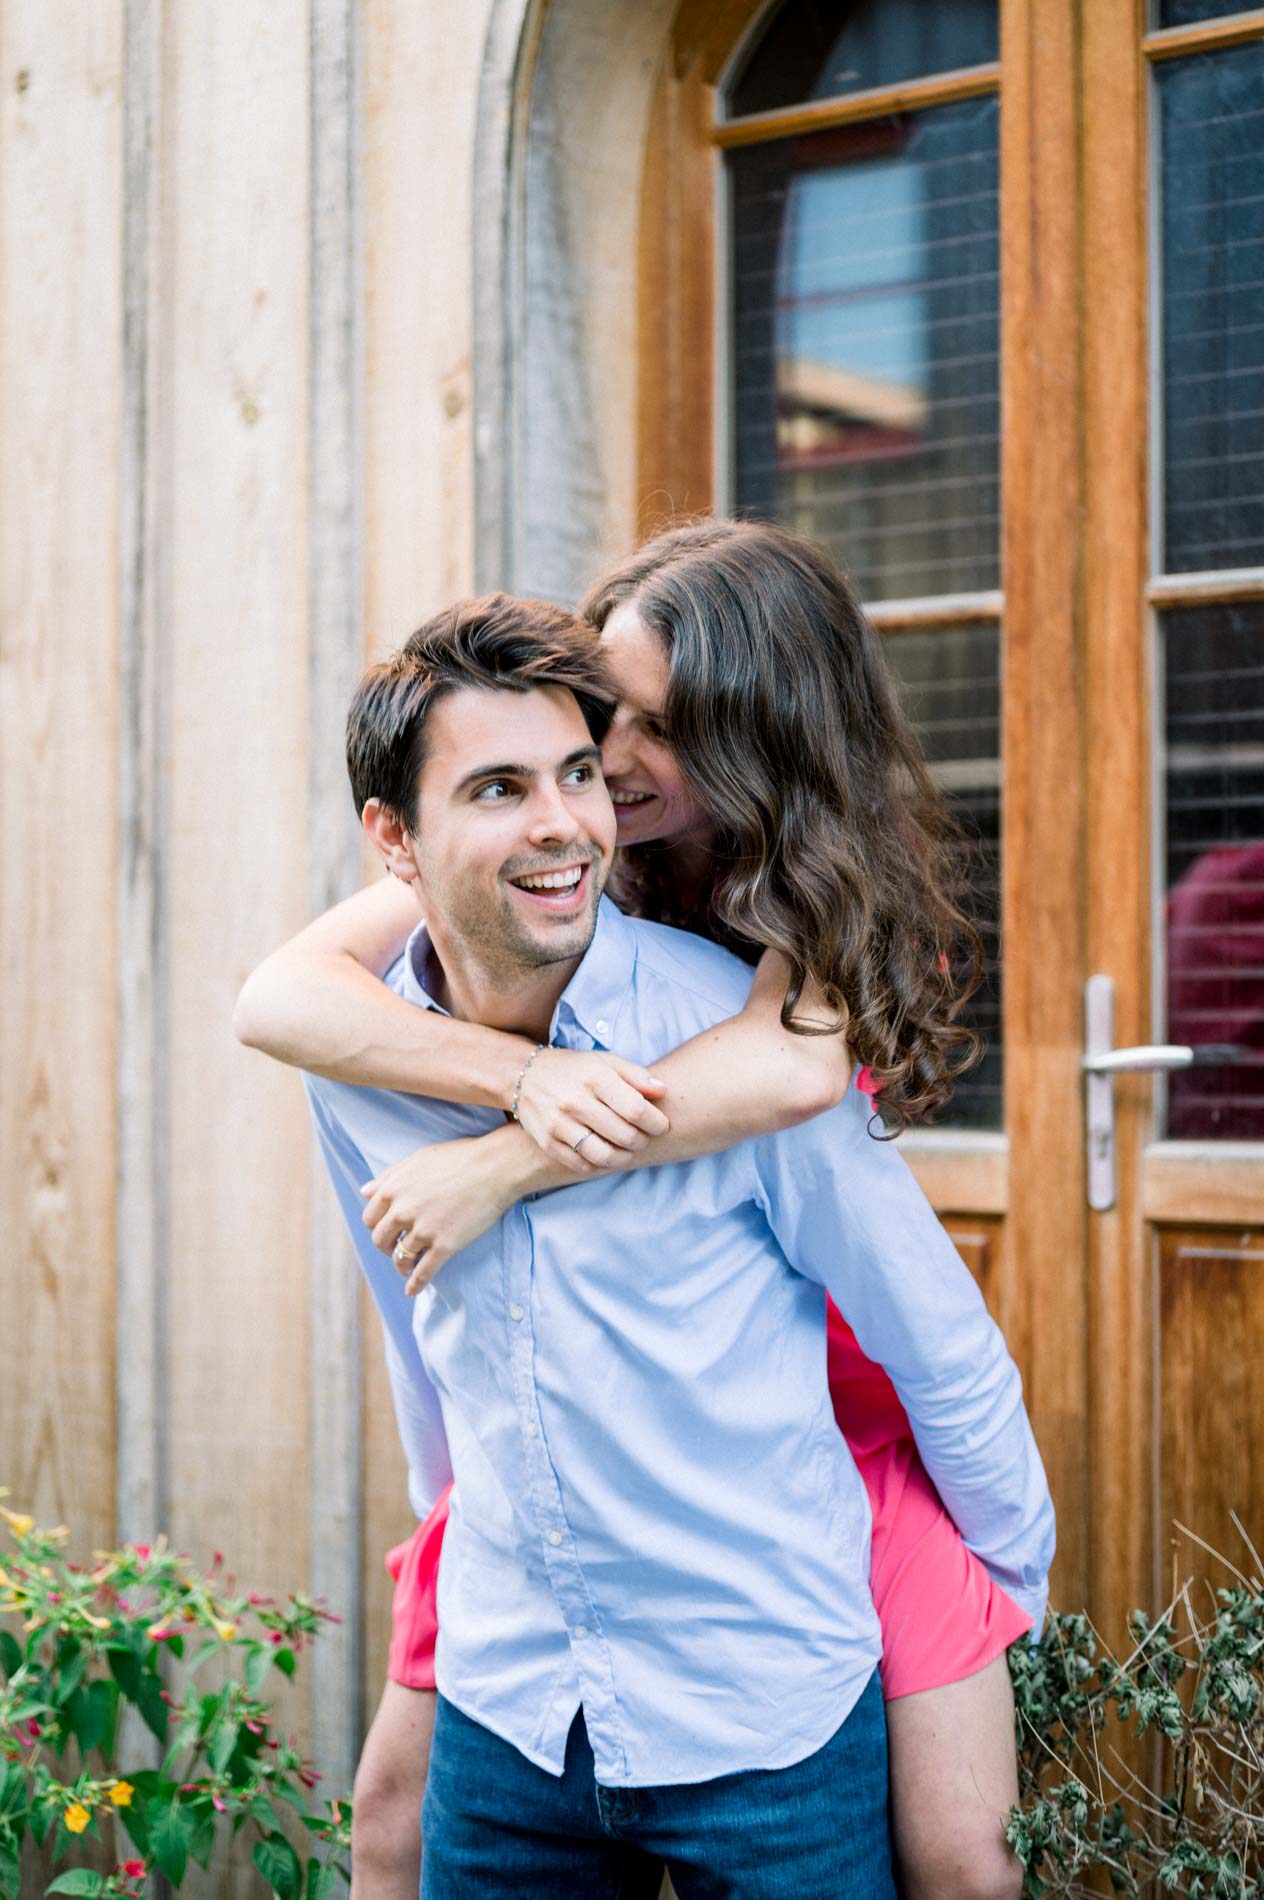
(832, 844)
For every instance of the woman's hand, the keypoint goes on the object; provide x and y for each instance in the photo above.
(424, 1209)
(602, 1102)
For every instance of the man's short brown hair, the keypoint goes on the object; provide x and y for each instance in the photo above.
(496, 643)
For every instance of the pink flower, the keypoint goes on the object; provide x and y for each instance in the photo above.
(141, 1551)
(134, 1869)
(31, 1729)
(157, 1634)
(276, 1639)
(221, 1807)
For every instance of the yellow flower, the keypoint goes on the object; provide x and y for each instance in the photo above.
(225, 1631)
(121, 1794)
(17, 1522)
(76, 1818)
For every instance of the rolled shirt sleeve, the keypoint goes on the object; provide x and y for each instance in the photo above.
(848, 1213)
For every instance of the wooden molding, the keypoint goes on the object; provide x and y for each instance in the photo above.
(1195, 590)
(1201, 1182)
(960, 1173)
(937, 611)
(1116, 766)
(1208, 36)
(881, 102)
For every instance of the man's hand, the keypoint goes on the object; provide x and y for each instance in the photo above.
(601, 1102)
(424, 1209)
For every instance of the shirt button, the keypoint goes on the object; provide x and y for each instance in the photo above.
(581, 1629)
(517, 1312)
(555, 1538)
(603, 1027)
(533, 1430)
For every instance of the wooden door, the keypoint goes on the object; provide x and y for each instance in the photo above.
(1035, 645)
(1174, 726)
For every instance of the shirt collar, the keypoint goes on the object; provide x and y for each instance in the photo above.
(594, 996)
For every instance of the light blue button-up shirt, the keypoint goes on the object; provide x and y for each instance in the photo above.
(655, 1514)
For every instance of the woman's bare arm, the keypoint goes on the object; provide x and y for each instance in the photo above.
(319, 1003)
(748, 1076)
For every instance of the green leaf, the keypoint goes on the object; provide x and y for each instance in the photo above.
(10, 1870)
(10, 1653)
(126, 1671)
(91, 1714)
(202, 1839)
(258, 1663)
(72, 1675)
(279, 1865)
(41, 1820)
(174, 1646)
(148, 1699)
(285, 1661)
(223, 1742)
(170, 1834)
(136, 1821)
(79, 1880)
(324, 1881)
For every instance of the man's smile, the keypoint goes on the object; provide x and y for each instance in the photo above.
(561, 889)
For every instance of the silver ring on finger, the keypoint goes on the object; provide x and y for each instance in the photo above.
(577, 1145)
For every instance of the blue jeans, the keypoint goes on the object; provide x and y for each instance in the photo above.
(495, 1827)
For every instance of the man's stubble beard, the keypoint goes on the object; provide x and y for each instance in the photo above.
(489, 936)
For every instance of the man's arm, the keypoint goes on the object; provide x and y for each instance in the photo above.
(417, 1410)
(848, 1214)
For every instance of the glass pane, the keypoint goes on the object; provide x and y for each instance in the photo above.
(1212, 111)
(821, 49)
(950, 684)
(1214, 797)
(866, 402)
(1190, 12)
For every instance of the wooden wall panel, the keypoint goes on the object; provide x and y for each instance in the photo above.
(233, 476)
(1211, 1399)
(418, 484)
(675, 419)
(60, 346)
(419, 510)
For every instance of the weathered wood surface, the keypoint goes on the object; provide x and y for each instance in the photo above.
(60, 350)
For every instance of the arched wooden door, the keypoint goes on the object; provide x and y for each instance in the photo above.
(967, 292)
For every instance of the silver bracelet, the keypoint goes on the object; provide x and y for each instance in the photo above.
(537, 1051)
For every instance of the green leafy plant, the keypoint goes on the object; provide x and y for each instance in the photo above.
(140, 1628)
(1193, 1682)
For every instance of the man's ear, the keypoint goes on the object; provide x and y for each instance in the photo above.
(390, 840)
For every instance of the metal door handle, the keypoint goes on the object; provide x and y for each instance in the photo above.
(1157, 1055)
(1162, 1055)
(1102, 1063)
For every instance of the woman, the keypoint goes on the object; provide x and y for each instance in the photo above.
(770, 793)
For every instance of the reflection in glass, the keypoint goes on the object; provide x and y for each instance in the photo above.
(1212, 118)
(1214, 785)
(949, 683)
(865, 332)
(825, 49)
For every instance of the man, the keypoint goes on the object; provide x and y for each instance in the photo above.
(657, 1642)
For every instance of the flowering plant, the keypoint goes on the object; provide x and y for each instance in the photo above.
(94, 1640)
